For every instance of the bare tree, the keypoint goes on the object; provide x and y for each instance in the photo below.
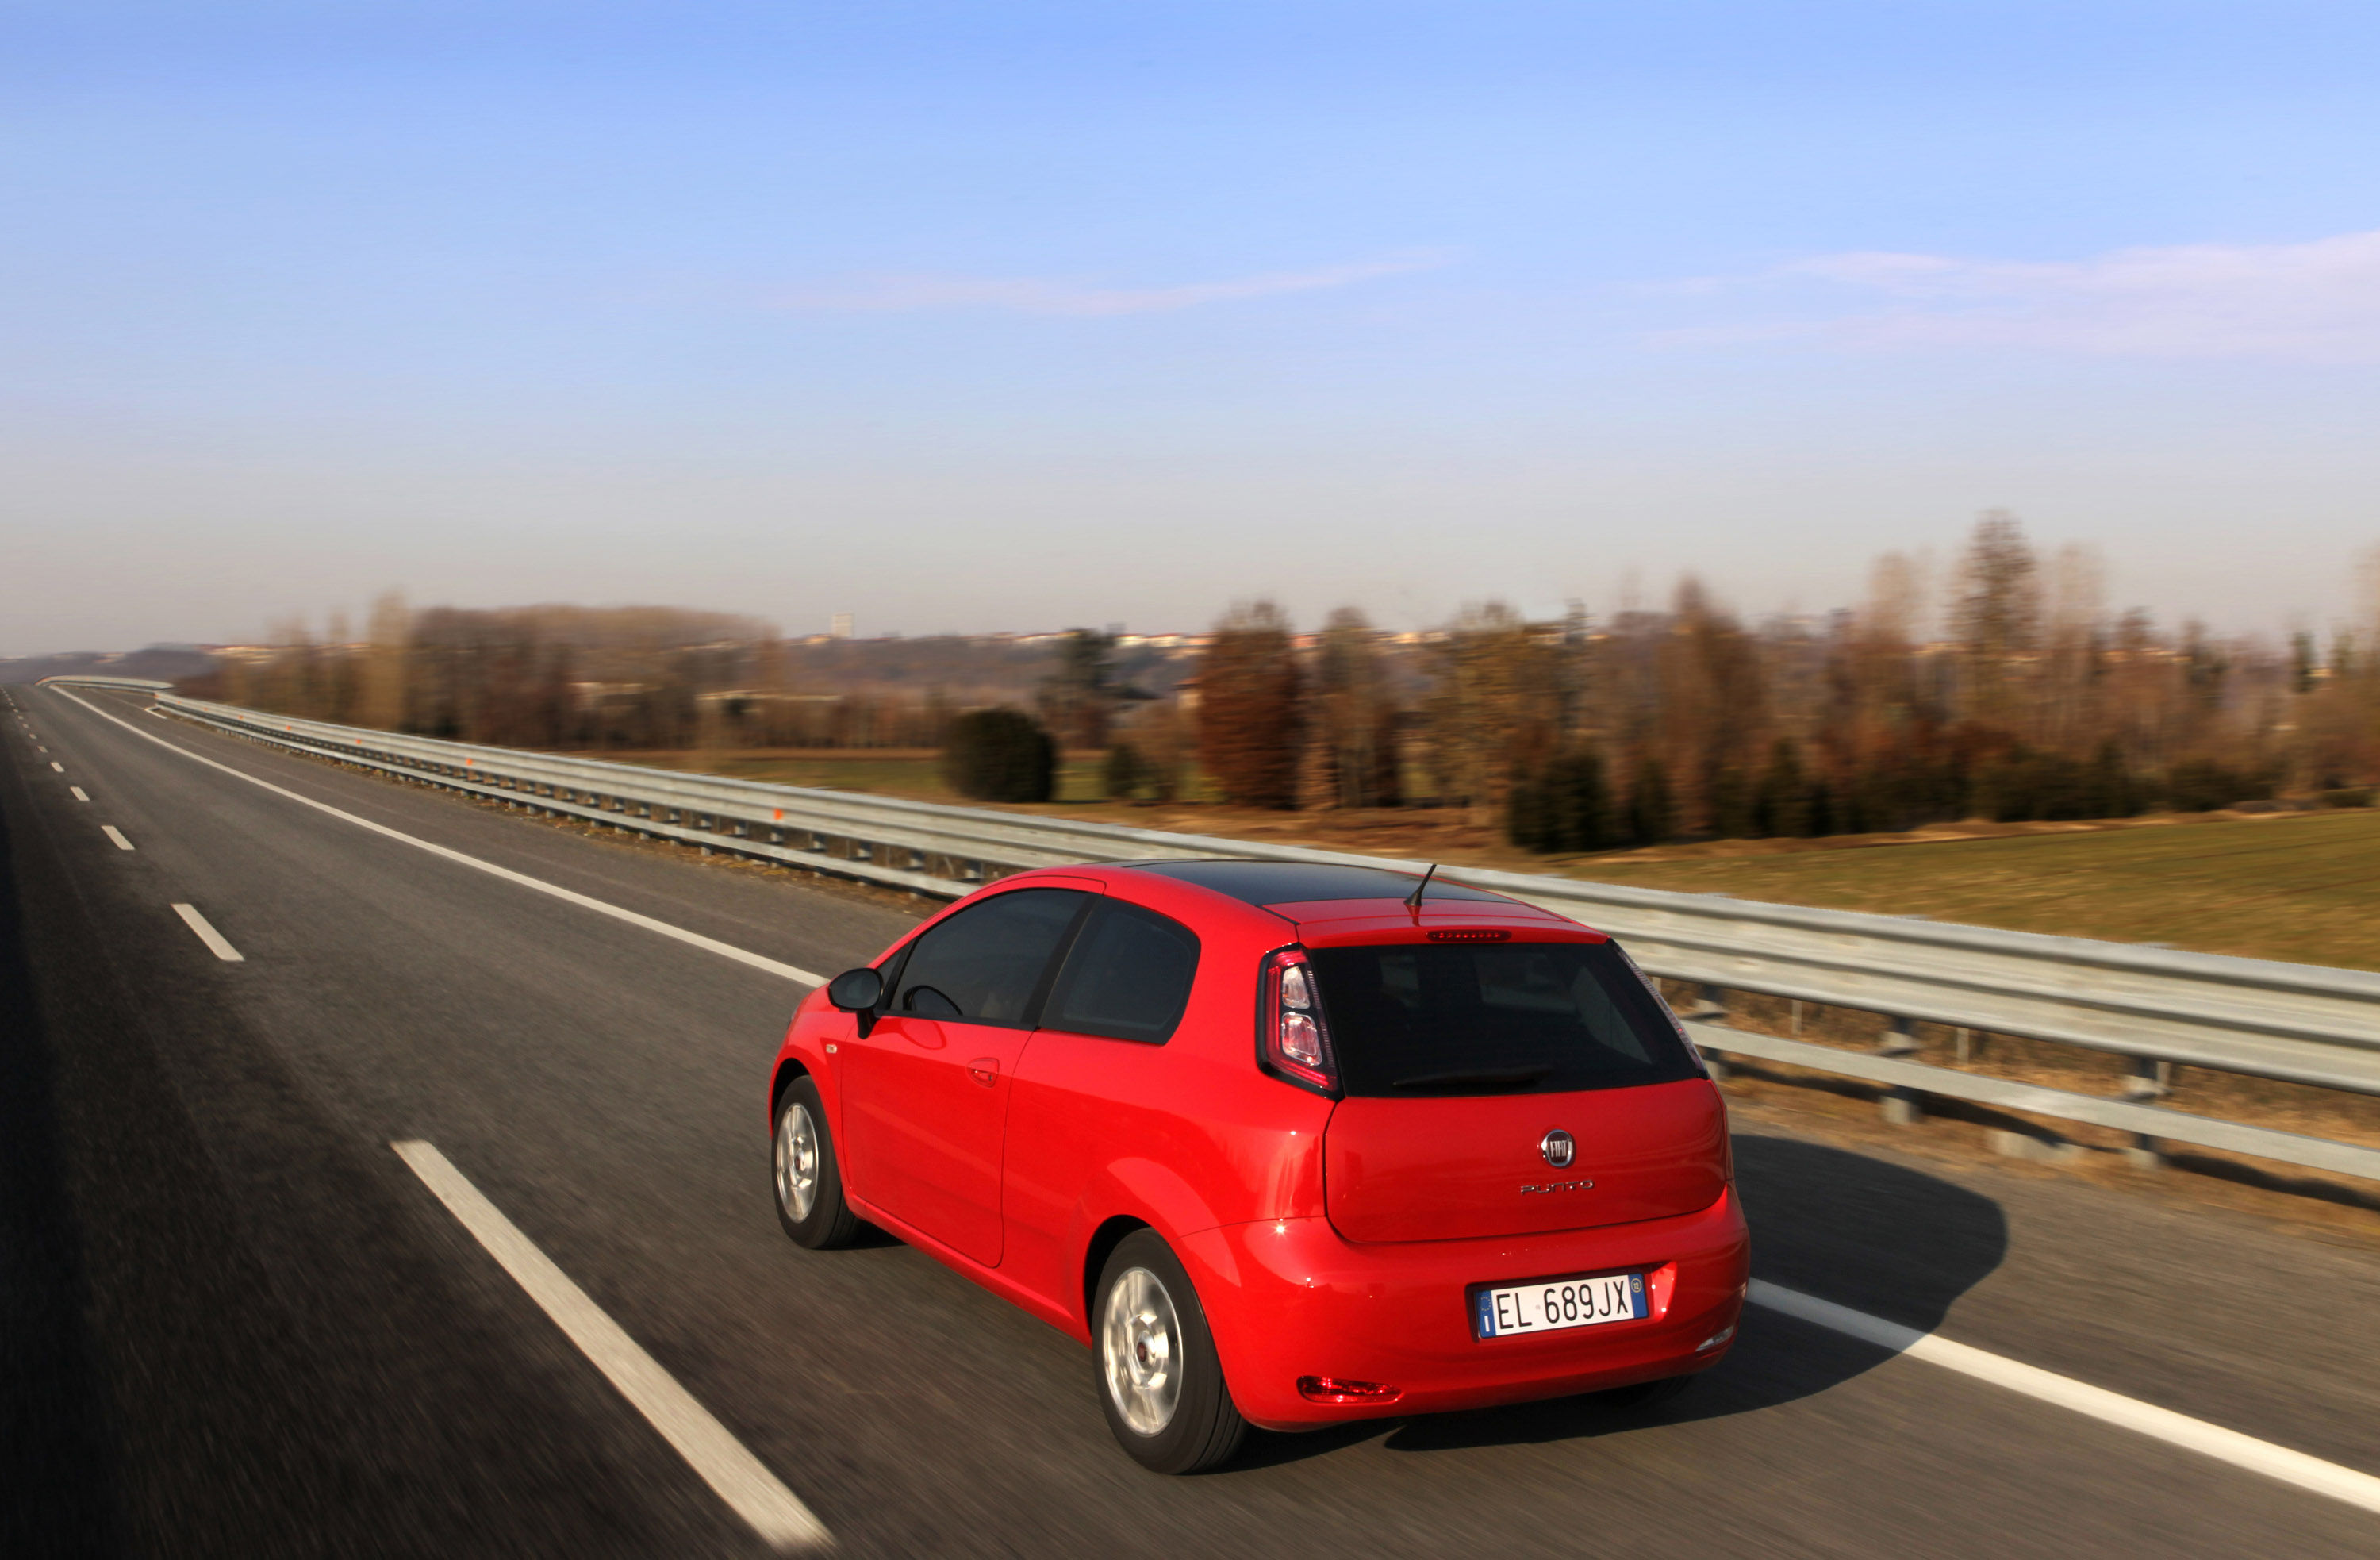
(1351, 749)
(1498, 708)
(1248, 715)
(1997, 616)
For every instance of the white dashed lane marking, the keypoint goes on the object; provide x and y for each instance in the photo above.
(217, 944)
(584, 901)
(112, 832)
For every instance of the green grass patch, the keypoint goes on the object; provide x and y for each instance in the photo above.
(2304, 888)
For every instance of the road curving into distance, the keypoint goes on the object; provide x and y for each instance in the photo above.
(237, 1321)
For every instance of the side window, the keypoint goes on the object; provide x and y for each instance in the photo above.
(1128, 977)
(984, 963)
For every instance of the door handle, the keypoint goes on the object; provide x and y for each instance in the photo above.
(985, 1070)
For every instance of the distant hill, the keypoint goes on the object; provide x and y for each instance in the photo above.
(163, 662)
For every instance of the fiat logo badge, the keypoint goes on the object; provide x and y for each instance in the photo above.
(1559, 1147)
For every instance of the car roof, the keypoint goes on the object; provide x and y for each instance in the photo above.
(1290, 882)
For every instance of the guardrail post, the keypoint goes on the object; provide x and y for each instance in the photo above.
(1711, 1007)
(2151, 1080)
(1901, 1107)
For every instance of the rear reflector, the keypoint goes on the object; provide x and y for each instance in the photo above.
(1469, 934)
(1335, 1389)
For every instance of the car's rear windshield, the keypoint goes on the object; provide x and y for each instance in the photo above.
(1414, 1020)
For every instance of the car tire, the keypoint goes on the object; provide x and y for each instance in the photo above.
(805, 1180)
(1159, 1381)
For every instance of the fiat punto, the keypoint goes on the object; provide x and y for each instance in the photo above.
(1285, 1144)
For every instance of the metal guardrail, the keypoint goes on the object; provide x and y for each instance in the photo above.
(2300, 1023)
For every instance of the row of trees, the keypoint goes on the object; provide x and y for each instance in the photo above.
(2027, 700)
(2035, 703)
(623, 678)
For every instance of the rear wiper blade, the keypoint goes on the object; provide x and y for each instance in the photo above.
(1472, 1076)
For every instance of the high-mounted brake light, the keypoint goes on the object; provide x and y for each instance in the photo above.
(1290, 1035)
(1470, 935)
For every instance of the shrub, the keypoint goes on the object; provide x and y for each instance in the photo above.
(2346, 796)
(2204, 786)
(2022, 786)
(1000, 755)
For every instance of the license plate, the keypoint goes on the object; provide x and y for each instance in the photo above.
(1550, 1305)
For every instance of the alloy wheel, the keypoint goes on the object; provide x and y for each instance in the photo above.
(797, 1161)
(1140, 1351)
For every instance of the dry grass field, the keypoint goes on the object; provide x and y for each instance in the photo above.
(2303, 887)
(2299, 886)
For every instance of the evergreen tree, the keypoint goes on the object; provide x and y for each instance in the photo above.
(1124, 774)
(1727, 797)
(1652, 816)
(1781, 806)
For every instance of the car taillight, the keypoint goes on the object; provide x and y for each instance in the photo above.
(1292, 1036)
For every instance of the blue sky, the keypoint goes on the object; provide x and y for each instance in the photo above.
(1011, 316)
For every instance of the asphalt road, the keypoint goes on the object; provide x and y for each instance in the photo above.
(233, 1322)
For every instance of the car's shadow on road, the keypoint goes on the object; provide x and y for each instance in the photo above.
(1850, 1228)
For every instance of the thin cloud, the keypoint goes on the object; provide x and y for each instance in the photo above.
(1033, 296)
(2311, 303)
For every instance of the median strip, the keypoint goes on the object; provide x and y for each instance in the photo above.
(2340, 1483)
(708, 1447)
(217, 944)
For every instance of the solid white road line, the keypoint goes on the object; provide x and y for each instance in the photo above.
(78, 793)
(215, 941)
(742, 1479)
(693, 939)
(112, 832)
(2178, 1429)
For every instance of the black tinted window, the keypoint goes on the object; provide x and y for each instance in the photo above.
(1494, 1018)
(983, 964)
(1128, 977)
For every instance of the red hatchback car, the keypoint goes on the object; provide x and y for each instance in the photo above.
(1284, 1143)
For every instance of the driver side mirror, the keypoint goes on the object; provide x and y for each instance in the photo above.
(856, 991)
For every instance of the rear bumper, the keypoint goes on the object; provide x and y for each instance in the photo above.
(1292, 1298)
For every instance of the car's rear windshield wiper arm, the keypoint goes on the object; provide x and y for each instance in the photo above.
(1471, 1076)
